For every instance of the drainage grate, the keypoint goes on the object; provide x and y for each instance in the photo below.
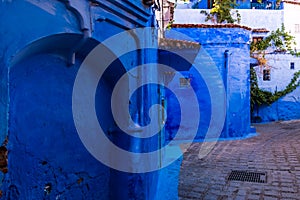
(257, 177)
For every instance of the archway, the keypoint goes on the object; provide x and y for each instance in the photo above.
(46, 157)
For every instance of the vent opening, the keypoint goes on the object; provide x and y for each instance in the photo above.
(257, 177)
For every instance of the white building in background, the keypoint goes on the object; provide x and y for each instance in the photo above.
(292, 19)
(254, 18)
(164, 14)
(280, 66)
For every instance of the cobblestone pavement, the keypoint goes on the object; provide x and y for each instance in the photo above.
(276, 151)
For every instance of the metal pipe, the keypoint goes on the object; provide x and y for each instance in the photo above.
(225, 80)
(136, 142)
(140, 95)
(226, 66)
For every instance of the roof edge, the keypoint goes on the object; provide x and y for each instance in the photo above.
(210, 26)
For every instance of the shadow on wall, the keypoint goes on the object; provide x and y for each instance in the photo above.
(287, 108)
(46, 157)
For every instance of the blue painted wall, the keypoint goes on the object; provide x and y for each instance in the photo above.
(43, 144)
(46, 158)
(287, 107)
(216, 41)
(280, 111)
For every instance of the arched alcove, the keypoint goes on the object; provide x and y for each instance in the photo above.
(46, 157)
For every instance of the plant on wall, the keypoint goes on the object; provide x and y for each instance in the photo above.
(278, 2)
(277, 41)
(261, 97)
(221, 12)
(169, 25)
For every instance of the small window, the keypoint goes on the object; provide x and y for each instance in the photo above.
(185, 82)
(292, 65)
(267, 75)
(257, 39)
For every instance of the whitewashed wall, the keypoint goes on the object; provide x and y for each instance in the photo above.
(288, 107)
(254, 18)
(281, 74)
(291, 19)
(269, 19)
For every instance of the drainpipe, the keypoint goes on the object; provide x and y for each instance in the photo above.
(139, 120)
(136, 143)
(225, 80)
(226, 66)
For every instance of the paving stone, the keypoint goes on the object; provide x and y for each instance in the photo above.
(289, 195)
(211, 196)
(271, 198)
(240, 198)
(274, 193)
(287, 189)
(275, 150)
(253, 197)
(275, 184)
(256, 191)
(223, 197)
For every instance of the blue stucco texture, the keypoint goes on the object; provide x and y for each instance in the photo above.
(43, 137)
(215, 41)
(19, 31)
(286, 108)
(174, 109)
(46, 159)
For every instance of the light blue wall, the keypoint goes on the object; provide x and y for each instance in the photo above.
(287, 107)
(236, 78)
(43, 143)
(216, 41)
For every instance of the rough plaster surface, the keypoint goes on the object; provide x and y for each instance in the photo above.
(215, 42)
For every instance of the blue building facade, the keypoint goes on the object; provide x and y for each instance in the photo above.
(284, 66)
(228, 49)
(44, 44)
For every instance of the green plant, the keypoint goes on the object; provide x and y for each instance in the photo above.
(169, 25)
(278, 41)
(278, 3)
(221, 12)
(261, 97)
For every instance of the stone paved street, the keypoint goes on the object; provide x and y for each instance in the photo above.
(276, 151)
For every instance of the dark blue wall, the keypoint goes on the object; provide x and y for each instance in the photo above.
(46, 158)
(286, 108)
(44, 147)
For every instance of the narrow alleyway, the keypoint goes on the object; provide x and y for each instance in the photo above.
(275, 151)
